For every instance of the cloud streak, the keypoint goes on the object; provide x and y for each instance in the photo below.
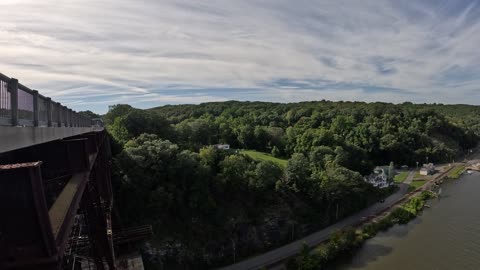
(91, 54)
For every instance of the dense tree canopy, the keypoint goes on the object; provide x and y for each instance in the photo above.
(371, 134)
(130, 123)
(206, 204)
(89, 114)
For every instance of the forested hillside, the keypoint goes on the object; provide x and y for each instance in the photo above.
(383, 132)
(210, 206)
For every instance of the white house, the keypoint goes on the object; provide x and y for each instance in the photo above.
(379, 178)
(222, 146)
(427, 169)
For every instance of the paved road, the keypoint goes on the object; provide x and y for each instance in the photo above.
(315, 239)
(409, 178)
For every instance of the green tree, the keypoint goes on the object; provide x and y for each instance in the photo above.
(391, 171)
(162, 184)
(267, 173)
(209, 155)
(234, 170)
(298, 173)
(89, 114)
(246, 136)
(116, 111)
(136, 122)
(275, 152)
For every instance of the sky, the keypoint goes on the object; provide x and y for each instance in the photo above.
(89, 54)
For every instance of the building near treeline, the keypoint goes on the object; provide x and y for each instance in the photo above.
(427, 169)
(222, 146)
(382, 177)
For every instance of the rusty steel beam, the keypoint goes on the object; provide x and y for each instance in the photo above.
(77, 162)
(60, 158)
(63, 210)
(26, 240)
(90, 188)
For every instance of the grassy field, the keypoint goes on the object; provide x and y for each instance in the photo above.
(265, 156)
(399, 178)
(456, 172)
(418, 176)
(416, 184)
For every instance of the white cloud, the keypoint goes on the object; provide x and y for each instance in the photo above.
(91, 53)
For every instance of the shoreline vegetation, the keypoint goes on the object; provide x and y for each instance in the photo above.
(456, 172)
(345, 241)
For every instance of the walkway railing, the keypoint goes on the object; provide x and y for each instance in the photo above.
(22, 106)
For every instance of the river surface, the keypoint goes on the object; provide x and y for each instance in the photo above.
(444, 237)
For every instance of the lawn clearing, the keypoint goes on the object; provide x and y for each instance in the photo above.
(399, 178)
(258, 156)
(416, 184)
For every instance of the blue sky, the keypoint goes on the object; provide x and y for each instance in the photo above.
(89, 54)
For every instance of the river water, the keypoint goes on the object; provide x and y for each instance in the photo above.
(445, 237)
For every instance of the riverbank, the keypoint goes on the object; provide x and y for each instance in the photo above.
(345, 241)
(456, 172)
(445, 236)
(277, 258)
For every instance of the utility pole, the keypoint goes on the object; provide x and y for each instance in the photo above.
(234, 250)
(293, 231)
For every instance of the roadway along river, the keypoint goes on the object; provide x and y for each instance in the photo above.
(446, 236)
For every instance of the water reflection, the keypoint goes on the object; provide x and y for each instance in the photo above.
(377, 251)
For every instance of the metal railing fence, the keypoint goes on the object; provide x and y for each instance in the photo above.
(22, 106)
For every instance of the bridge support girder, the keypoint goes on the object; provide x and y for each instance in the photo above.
(26, 239)
(34, 234)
